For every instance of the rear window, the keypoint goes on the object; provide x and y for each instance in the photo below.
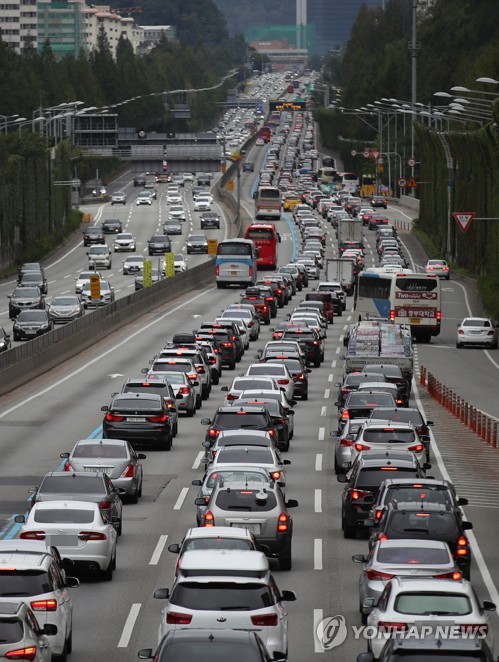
(221, 596)
(171, 367)
(235, 476)
(260, 233)
(402, 416)
(476, 322)
(217, 543)
(72, 485)
(251, 456)
(374, 477)
(413, 555)
(64, 516)
(100, 450)
(157, 389)
(441, 604)
(425, 524)
(245, 420)
(20, 583)
(425, 494)
(246, 500)
(229, 248)
(359, 399)
(416, 284)
(12, 632)
(266, 370)
(389, 436)
(133, 404)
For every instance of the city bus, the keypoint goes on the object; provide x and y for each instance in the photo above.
(235, 263)
(265, 237)
(326, 175)
(265, 132)
(350, 182)
(268, 202)
(403, 298)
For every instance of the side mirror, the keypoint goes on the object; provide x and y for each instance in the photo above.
(488, 606)
(359, 558)
(64, 455)
(49, 629)
(342, 478)
(462, 501)
(141, 456)
(286, 461)
(72, 582)
(206, 444)
(337, 384)
(161, 594)
(336, 404)
(292, 503)
(288, 596)
(174, 548)
(120, 491)
(104, 408)
(368, 605)
(144, 371)
(430, 423)
(199, 501)
(145, 654)
(467, 526)
(20, 519)
(179, 396)
(197, 482)
(225, 388)
(206, 421)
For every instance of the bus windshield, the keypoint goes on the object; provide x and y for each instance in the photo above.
(260, 233)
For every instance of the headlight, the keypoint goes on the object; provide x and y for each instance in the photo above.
(2, 343)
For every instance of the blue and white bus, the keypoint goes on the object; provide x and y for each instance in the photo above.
(236, 263)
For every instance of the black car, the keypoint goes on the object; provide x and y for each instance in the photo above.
(223, 341)
(25, 298)
(159, 386)
(27, 267)
(159, 244)
(427, 521)
(34, 279)
(232, 329)
(138, 417)
(362, 483)
(172, 226)
(235, 418)
(352, 381)
(248, 166)
(95, 487)
(279, 416)
(210, 219)
(112, 226)
(426, 649)
(376, 201)
(139, 181)
(93, 235)
(30, 324)
(309, 341)
(4, 340)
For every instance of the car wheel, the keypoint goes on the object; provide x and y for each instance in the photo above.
(305, 395)
(458, 344)
(167, 443)
(215, 379)
(69, 642)
(63, 656)
(317, 364)
(134, 498)
(232, 365)
(199, 402)
(119, 528)
(16, 337)
(349, 531)
(337, 468)
(107, 575)
(175, 429)
(190, 412)
(205, 392)
(285, 561)
(139, 491)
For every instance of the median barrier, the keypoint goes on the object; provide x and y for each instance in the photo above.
(31, 359)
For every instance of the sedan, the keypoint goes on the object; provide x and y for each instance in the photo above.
(112, 226)
(133, 264)
(197, 243)
(78, 528)
(172, 226)
(179, 263)
(477, 331)
(174, 198)
(34, 279)
(118, 198)
(65, 308)
(210, 219)
(25, 298)
(156, 276)
(106, 297)
(4, 340)
(144, 198)
(202, 203)
(377, 201)
(30, 324)
(177, 212)
(125, 241)
(438, 268)
(83, 278)
(114, 457)
(159, 244)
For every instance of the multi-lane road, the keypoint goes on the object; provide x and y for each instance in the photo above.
(45, 417)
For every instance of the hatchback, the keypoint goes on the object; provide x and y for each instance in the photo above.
(21, 631)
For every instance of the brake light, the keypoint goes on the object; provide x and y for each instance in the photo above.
(361, 447)
(22, 654)
(283, 523)
(283, 381)
(345, 414)
(200, 369)
(44, 605)
(346, 443)
(374, 574)
(462, 546)
(192, 376)
(358, 494)
(158, 419)
(227, 344)
(129, 472)
(456, 575)
(213, 433)
(105, 505)
(217, 271)
(378, 513)
(416, 449)
(391, 626)
(91, 535)
(176, 618)
(230, 397)
(269, 298)
(209, 519)
(383, 536)
(276, 475)
(439, 316)
(392, 315)
(271, 432)
(33, 535)
(301, 376)
(113, 417)
(264, 620)
(251, 271)
(265, 307)
(67, 466)
(184, 390)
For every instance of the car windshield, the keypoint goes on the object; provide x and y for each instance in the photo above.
(65, 301)
(160, 239)
(197, 237)
(20, 583)
(125, 236)
(427, 524)
(434, 603)
(72, 484)
(32, 316)
(221, 596)
(26, 292)
(413, 555)
(100, 250)
(63, 516)
(239, 419)
(99, 451)
(257, 501)
(133, 260)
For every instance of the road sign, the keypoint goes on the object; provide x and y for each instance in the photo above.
(380, 160)
(366, 153)
(401, 182)
(95, 288)
(169, 265)
(464, 218)
(375, 153)
(353, 152)
(411, 162)
(147, 273)
(412, 183)
(230, 185)
(212, 246)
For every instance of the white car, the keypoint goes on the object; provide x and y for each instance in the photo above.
(176, 212)
(83, 278)
(188, 177)
(179, 263)
(144, 198)
(243, 383)
(480, 331)
(424, 601)
(125, 241)
(226, 590)
(77, 529)
(99, 255)
(278, 372)
(202, 203)
(173, 198)
(133, 264)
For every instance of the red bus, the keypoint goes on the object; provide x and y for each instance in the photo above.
(265, 133)
(291, 88)
(265, 237)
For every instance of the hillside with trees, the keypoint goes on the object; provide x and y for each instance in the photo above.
(240, 15)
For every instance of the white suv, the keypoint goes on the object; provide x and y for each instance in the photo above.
(99, 256)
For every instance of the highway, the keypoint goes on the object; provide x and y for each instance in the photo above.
(49, 414)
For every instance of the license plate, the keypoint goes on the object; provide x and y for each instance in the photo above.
(63, 541)
(106, 470)
(415, 321)
(233, 273)
(136, 419)
(29, 332)
(253, 528)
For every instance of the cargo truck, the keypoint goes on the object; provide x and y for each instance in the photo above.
(341, 270)
(350, 232)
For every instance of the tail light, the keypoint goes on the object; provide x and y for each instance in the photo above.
(439, 316)
(346, 443)
(278, 335)
(217, 271)
(67, 466)
(33, 535)
(392, 626)
(490, 333)
(301, 376)
(269, 298)
(456, 575)
(184, 390)
(209, 519)
(345, 415)
(227, 344)
(176, 618)
(264, 620)
(315, 342)
(251, 271)
(230, 397)
(113, 417)
(276, 475)
(129, 472)
(374, 574)
(383, 536)
(200, 369)
(283, 523)
(362, 447)
(265, 307)
(213, 359)
(213, 433)
(158, 419)
(378, 513)
(105, 505)
(416, 449)
(283, 381)
(392, 315)
(44, 605)
(358, 494)
(192, 376)
(22, 654)
(462, 546)
(91, 535)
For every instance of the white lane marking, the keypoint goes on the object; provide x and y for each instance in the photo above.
(181, 498)
(198, 459)
(349, 318)
(129, 625)
(477, 554)
(338, 350)
(318, 631)
(330, 377)
(318, 462)
(327, 393)
(318, 501)
(333, 364)
(318, 554)
(322, 432)
(158, 550)
(323, 411)
(68, 276)
(99, 358)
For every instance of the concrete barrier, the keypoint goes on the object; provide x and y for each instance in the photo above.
(408, 201)
(35, 357)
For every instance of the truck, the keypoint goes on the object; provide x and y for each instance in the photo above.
(350, 230)
(379, 342)
(341, 270)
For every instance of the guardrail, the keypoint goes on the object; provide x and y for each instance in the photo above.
(479, 422)
(35, 357)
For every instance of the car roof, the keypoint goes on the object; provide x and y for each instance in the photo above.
(67, 504)
(211, 561)
(435, 586)
(218, 531)
(227, 434)
(106, 442)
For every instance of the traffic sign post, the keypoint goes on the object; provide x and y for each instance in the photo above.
(412, 183)
(463, 219)
(169, 265)
(353, 152)
(401, 182)
(95, 288)
(147, 273)
(212, 246)
(411, 163)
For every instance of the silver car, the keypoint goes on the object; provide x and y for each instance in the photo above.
(115, 457)
(197, 243)
(144, 198)
(184, 390)
(439, 268)
(65, 308)
(118, 198)
(125, 241)
(106, 295)
(344, 442)
(83, 278)
(133, 264)
(480, 331)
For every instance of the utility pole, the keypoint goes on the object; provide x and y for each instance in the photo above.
(414, 48)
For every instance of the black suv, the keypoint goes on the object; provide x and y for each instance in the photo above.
(34, 279)
(309, 341)
(233, 331)
(362, 483)
(112, 226)
(93, 235)
(222, 340)
(210, 219)
(235, 418)
(139, 181)
(427, 521)
(159, 244)
(25, 298)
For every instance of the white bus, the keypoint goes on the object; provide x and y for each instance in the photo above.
(350, 182)
(268, 202)
(402, 298)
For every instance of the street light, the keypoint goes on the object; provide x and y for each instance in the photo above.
(485, 79)
(8, 118)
